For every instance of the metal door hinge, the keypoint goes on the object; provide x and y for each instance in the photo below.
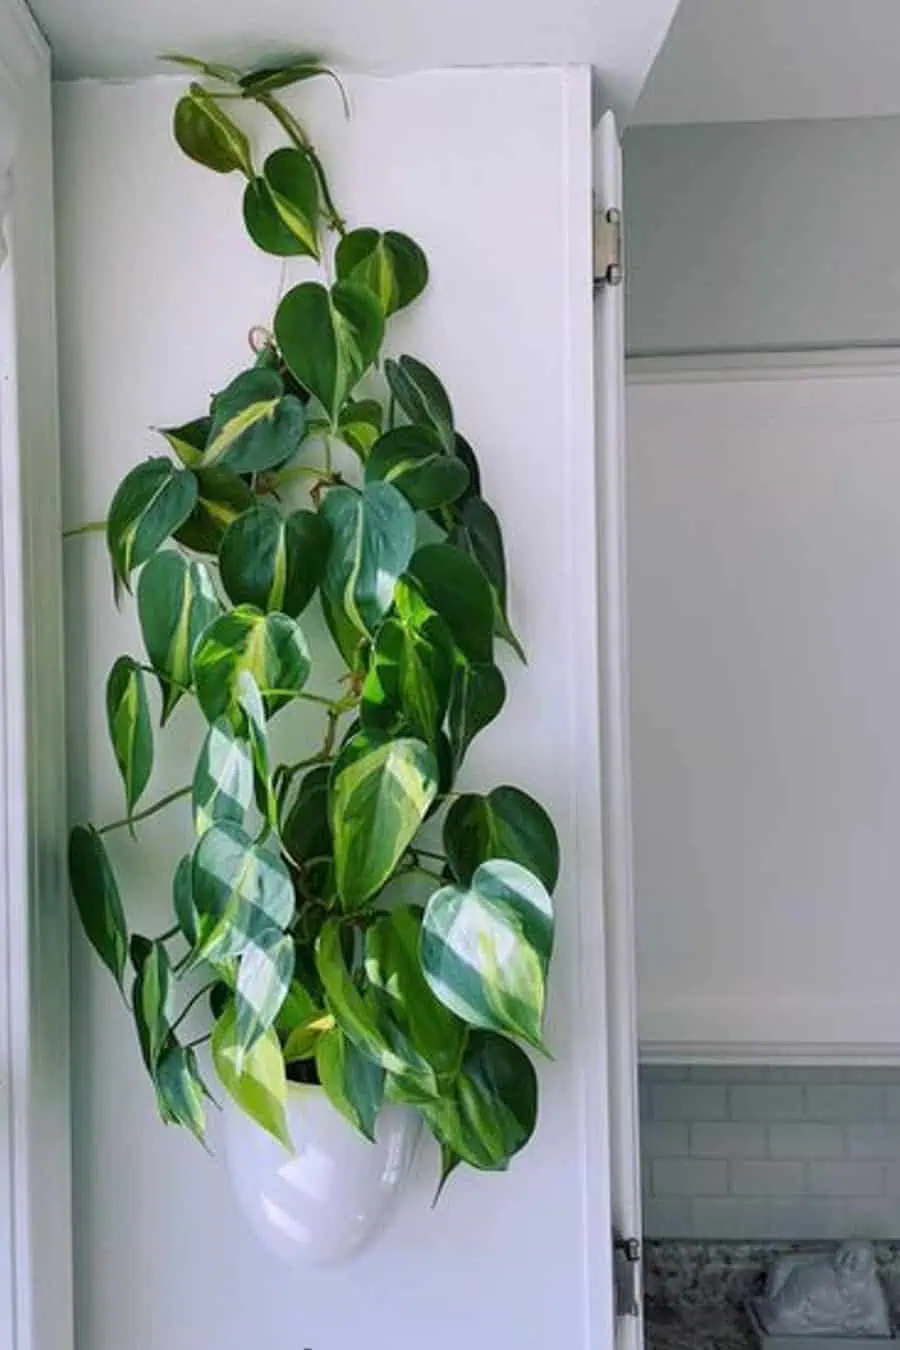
(608, 268)
(627, 1275)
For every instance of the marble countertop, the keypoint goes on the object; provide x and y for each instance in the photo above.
(719, 1327)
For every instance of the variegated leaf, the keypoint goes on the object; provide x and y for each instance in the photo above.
(506, 823)
(97, 899)
(381, 790)
(250, 701)
(373, 536)
(176, 602)
(255, 425)
(152, 1001)
(270, 647)
(477, 696)
(353, 1083)
(223, 779)
(291, 180)
(240, 890)
(256, 1080)
(264, 978)
(151, 502)
(391, 265)
(415, 462)
(183, 899)
(422, 397)
(206, 133)
(130, 730)
(455, 586)
(329, 338)
(272, 561)
(179, 1089)
(486, 949)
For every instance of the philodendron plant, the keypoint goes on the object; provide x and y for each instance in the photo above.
(293, 919)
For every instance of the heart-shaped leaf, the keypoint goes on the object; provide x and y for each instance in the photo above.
(457, 589)
(265, 226)
(152, 1000)
(380, 793)
(176, 602)
(329, 338)
(272, 561)
(477, 696)
(491, 1111)
(507, 823)
(270, 647)
(414, 461)
(179, 1089)
(97, 899)
(373, 535)
(151, 502)
(353, 1082)
(264, 978)
(305, 831)
(240, 891)
(256, 1081)
(222, 497)
(251, 703)
(482, 536)
(130, 730)
(208, 135)
(255, 425)
(359, 425)
(358, 1014)
(223, 779)
(188, 441)
(391, 265)
(294, 189)
(422, 397)
(486, 949)
(410, 672)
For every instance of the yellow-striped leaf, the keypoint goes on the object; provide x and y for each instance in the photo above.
(255, 425)
(130, 730)
(151, 502)
(391, 265)
(373, 535)
(256, 1080)
(207, 134)
(270, 647)
(272, 561)
(176, 602)
(415, 462)
(329, 338)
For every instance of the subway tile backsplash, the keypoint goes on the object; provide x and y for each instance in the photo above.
(732, 1154)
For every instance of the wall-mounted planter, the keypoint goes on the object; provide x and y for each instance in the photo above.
(336, 1191)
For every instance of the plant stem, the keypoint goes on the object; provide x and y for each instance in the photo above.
(329, 459)
(302, 471)
(427, 872)
(428, 853)
(160, 675)
(149, 811)
(92, 527)
(191, 1003)
(301, 140)
(169, 934)
(201, 1040)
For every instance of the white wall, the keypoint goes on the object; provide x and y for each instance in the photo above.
(158, 287)
(763, 236)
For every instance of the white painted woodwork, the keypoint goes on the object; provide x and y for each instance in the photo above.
(765, 625)
(765, 60)
(158, 287)
(35, 1191)
(620, 38)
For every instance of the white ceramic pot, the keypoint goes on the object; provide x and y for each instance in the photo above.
(335, 1192)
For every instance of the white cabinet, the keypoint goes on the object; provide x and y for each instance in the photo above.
(764, 520)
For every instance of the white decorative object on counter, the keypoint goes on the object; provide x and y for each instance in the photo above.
(335, 1192)
(831, 1294)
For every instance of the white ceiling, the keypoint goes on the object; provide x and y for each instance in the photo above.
(755, 60)
(116, 38)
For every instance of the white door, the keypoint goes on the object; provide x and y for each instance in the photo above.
(625, 1197)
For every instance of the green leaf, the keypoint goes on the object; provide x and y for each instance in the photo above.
(256, 1081)
(270, 647)
(272, 561)
(457, 589)
(152, 1000)
(486, 949)
(264, 978)
(255, 424)
(359, 425)
(208, 68)
(151, 502)
(410, 672)
(269, 78)
(176, 602)
(507, 823)
(97, 899)
(208, 135)
(463, 450)
(241, 890)
(130, 730)
(301, 1023)
(251, 703)
(482, 536)
(294, 189)
(329, 338)
(188, 441)
(390, 265)
(380, 793)
(414, 461)
(183, 899)
(305, 830)
(223, 779)
(477, 696)
(223, 496)
(422, 397)
(179, 1089)
(353, 1083)
(492, 1110)
(349, 641)
(373, 535)
(264, 224)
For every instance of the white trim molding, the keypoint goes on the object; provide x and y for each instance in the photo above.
(36, 1278)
